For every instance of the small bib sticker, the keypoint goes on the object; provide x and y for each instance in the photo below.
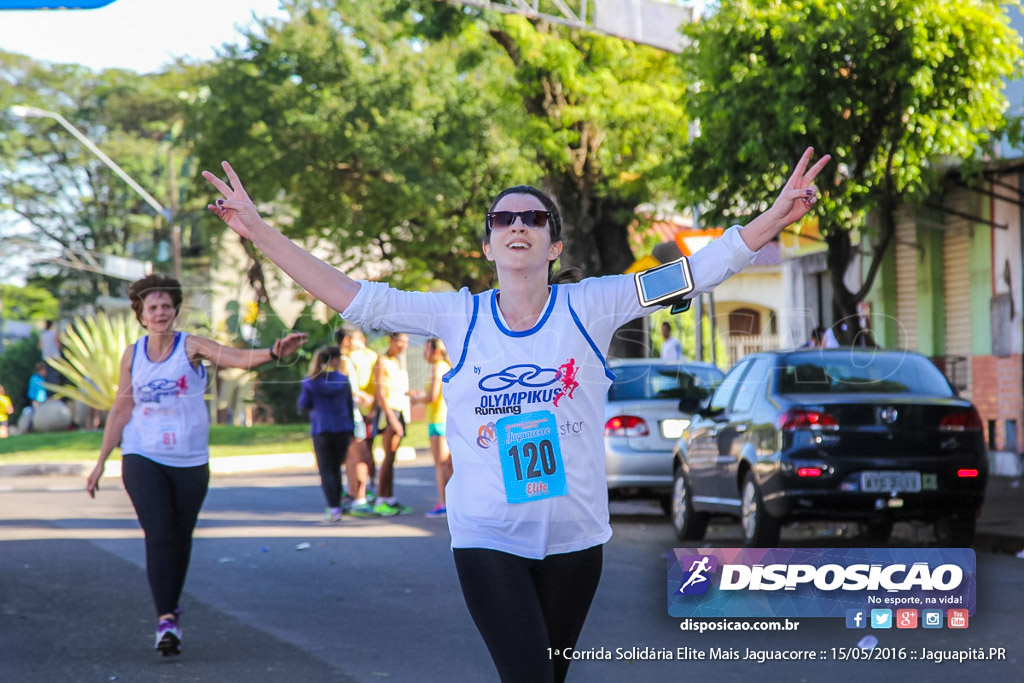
(531, 459)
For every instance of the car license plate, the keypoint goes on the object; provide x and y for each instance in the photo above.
(673, 429)
(890, 481)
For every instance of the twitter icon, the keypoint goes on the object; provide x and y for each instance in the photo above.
(881, 618)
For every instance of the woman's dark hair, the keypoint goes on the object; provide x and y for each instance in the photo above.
(140, 289)
(554, 228)
(322, 360)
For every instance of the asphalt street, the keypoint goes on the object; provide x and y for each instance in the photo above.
(274, 594)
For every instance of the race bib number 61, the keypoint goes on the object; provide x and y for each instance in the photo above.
(531, 460)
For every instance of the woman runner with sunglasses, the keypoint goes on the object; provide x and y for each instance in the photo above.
(528, 501)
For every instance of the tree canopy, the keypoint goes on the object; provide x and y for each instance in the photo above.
(64, 196)
(892, 90)
(365, 138)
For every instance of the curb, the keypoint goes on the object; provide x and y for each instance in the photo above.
(228, 464)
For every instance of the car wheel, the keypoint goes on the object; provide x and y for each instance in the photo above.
(957, 530)
(877, 532)
(689, 525)
(760, 530)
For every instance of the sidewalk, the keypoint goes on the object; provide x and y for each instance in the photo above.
(1000, 525)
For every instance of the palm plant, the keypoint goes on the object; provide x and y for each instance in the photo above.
(92, 357)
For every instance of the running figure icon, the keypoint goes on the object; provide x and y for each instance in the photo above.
(696, 570)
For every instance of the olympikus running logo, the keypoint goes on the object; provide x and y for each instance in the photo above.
(162, 388)
(535, 384)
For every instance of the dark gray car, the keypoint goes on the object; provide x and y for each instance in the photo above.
(832, 434)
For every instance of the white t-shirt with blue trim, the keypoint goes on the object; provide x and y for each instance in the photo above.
(526, 408)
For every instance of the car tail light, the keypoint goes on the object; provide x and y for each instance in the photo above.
(960, 421)
(806, 419)
(626, 425)
(966, 474)
(809, 472)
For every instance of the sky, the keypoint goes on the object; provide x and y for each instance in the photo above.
(142, 35)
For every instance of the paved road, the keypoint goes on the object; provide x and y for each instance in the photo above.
(376, 600)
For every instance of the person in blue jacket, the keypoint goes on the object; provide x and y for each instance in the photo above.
(327, 395)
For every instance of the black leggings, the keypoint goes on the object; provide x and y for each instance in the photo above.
(330, 449)
(167, 502)
(524, 607)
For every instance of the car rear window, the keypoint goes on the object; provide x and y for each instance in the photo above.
(842, 372)
(638, 382)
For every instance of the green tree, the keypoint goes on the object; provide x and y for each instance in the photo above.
(59, 198)
(892, 90)
(601, 117)
(366, 138)
(28, 303)
(17, 364)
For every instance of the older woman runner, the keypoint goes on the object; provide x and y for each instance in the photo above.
(162, 424)
(528, 501)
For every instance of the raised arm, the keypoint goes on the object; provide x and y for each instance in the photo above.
(201, 348)
(794, 201)
(325, 282)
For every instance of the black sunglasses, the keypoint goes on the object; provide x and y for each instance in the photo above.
(500, 220)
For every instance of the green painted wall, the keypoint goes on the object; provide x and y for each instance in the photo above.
(931, 340)
(981, 283)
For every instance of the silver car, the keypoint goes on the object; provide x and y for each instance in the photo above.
(643, 420)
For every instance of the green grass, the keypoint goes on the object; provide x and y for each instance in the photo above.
(225, 440)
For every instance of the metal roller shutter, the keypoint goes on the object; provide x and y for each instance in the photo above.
(955, 254)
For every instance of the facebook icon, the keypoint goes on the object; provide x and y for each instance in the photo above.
(856, 618)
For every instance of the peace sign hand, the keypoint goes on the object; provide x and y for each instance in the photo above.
(236, 209)
(799, 195)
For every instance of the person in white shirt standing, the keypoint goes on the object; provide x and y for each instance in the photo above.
(671, 349)
(528, 500)
(49, 348)
(162, 424)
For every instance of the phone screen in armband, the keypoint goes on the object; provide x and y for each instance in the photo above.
(664, 283)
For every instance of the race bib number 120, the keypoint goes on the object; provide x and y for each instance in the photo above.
(531, 460)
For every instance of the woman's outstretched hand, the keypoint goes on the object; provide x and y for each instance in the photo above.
(235, 209)
(290, 344)
(799, 195)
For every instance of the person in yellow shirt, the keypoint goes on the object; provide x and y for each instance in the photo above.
(358, 460)
(362, 360)
(437, 413)
(391, 390)
(6, 409)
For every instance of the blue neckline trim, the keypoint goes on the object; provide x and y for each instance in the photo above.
(145, 349)
(525, 333)
(465, 344)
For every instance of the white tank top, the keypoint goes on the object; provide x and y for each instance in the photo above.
(541, 489)
(170, 423)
